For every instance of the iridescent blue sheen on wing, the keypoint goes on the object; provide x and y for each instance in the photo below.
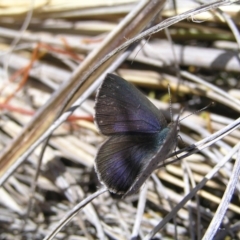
(164, 148)
(139, 136)
(122, 108)
(122, 158)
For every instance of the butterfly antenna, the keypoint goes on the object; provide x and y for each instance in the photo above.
(200, 110)
(170, 103)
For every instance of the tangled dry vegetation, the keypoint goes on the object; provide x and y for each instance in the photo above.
(51, 53)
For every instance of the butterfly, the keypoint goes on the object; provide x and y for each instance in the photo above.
(139, 136)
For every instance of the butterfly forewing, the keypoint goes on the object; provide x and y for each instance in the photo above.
(122, 108)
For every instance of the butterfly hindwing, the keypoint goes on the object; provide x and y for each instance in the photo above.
(165, 147)
(122, 108)
(121, 159)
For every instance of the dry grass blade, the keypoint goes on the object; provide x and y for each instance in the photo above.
(140, 211)
(73, 212)
(193, 192)
(54, 55)
(221, 211)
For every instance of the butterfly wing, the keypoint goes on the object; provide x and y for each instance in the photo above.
(164, 149)
(122, 158)
(122, 108)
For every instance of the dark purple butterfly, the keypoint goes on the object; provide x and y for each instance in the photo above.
(139, 136)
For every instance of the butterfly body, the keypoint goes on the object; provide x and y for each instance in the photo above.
(137, 132)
